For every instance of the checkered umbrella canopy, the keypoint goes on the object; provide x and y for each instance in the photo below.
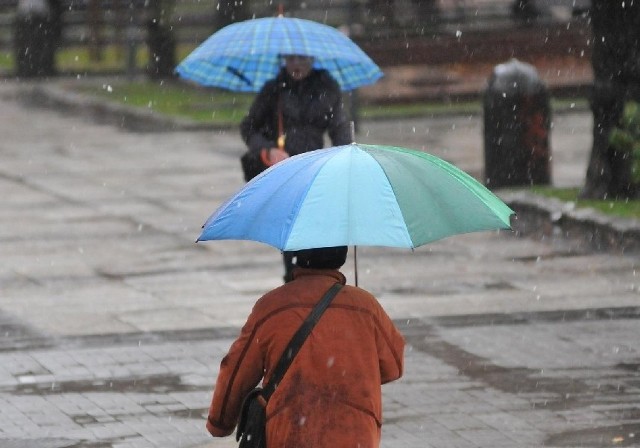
(242, 56)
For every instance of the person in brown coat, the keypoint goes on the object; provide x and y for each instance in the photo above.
(331, 395)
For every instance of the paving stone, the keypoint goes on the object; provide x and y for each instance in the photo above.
(114, 321)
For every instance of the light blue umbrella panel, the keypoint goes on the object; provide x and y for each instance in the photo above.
(242, 56)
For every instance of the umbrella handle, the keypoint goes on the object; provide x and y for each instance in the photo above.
(281, 136)
(355, 262)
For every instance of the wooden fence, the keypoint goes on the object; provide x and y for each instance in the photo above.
(460, 30)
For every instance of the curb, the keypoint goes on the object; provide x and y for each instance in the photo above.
(136, 119)
(106, 112)
(536, 216)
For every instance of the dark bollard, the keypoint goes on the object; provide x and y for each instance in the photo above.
(517, 119)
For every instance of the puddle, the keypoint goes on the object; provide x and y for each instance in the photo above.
(551, 256)
(92, 444)
(148, 337)
(200, 414)
(549, 392)
(42, 443)
(620, 435)
(150, 384)
(509, 380)
(18, 336)
(610, 313)
(627, 414)
(631, 366)
(453, 288)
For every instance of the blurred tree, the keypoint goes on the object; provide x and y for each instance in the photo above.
(161, 39)
(94, 21)
(616, 69)
(37, 32)
(427, 11)
(230, 11)
(525, 10)
(384, 12)
(626, 137)
(381, 12)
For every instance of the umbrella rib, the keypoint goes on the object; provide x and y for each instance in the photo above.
(239, 75)
(369, 149)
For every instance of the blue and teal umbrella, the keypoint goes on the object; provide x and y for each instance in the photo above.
(242, 56)
(356, 195)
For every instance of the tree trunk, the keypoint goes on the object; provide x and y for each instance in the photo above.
(94, 19)
(162, 49)
(381, 12)
(231, 11)
(427, 12)
(525, 10)
(616, 68)
(37, 31)
(161, 40)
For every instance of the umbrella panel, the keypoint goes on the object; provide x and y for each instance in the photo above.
(432, 212)
(360, 198)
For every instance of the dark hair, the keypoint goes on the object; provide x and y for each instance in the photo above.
(322, 257)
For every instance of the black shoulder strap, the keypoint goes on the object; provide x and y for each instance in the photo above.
(298, 339)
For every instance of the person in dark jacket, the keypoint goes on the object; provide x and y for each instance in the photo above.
(291, 114)
(331, 395)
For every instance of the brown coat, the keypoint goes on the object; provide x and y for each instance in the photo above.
(331, 395)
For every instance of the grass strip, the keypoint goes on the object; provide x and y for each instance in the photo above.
(220, 107)
(628, 208)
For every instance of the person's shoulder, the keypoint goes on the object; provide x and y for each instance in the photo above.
(325, 78)
(362, 296)
(270, 301)
(270, 87)
(367, 303)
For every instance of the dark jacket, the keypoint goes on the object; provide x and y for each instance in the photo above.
(310, 108)
(331, 396)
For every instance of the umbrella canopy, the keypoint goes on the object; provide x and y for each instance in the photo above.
(357, 195)
(242, 56)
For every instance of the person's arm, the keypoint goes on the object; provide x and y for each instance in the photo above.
(256, 128)
(390, 343)
(240, 371)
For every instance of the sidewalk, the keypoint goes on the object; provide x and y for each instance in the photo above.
(113, 321)
(455, 138)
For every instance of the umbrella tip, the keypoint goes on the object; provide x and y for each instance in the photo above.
(352, 125)
(280, 10)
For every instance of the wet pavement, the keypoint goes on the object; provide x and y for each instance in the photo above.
(113, 321)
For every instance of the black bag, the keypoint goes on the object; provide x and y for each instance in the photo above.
(253, 421)
(253, 414)
(251, 165)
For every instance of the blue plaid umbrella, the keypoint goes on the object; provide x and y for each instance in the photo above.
(242, 56)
